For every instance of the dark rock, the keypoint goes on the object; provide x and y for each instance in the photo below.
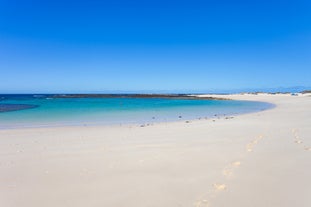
(16, 107)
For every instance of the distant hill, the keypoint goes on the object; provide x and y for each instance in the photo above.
(295, 89)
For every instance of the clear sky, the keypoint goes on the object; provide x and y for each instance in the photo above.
(153, 45)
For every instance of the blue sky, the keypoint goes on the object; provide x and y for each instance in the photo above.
(175, 46)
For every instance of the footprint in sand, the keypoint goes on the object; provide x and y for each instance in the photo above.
(237, 163)
(203, 203)
(308, 148)
(295, 132)
(228, 171)
(250, 146)
(219, 187)
(297, 139)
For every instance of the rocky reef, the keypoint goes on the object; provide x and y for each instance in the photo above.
(15, 107)
(168, 96)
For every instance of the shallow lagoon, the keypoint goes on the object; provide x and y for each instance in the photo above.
(111, 111)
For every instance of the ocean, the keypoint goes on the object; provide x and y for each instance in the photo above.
(43, 110)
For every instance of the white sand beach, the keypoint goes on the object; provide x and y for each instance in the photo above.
(260, 159)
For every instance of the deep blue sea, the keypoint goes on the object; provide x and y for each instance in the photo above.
(41, 110)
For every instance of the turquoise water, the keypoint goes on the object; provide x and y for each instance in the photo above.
(109, 111)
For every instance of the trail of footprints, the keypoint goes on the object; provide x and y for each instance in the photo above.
(229, 169)
(227, 172)
(298, 140)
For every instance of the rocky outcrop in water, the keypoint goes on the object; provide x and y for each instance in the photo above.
(169, 96)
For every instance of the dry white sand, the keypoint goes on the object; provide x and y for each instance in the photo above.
(260, 159)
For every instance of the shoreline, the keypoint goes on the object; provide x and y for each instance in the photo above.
(132, 125)
(254, 159)
(144, 122)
